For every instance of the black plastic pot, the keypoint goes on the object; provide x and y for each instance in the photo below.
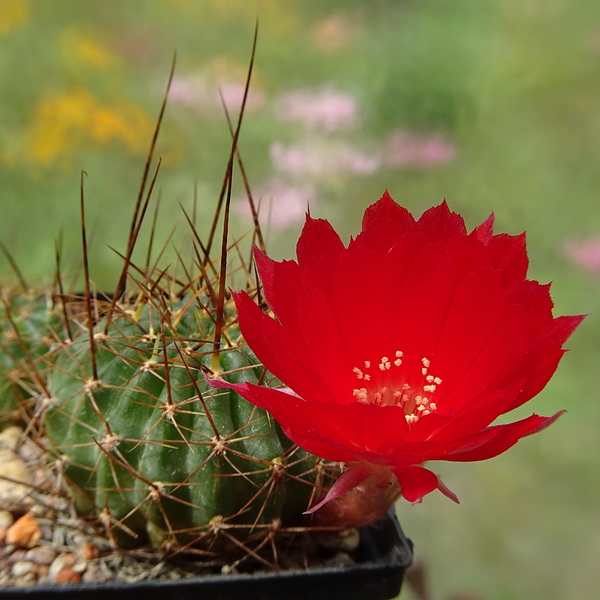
(383, 556)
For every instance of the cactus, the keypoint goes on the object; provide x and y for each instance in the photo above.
(115, 392)
(149, 446)
(27, 328)
(114, 389)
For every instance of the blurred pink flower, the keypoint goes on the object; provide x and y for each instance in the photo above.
(322, 158)
(326, 109)
(278, 203)
(202, 93)
(584, 253)
(405, 148)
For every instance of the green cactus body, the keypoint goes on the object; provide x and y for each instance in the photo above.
(139, 444)
(27, 329)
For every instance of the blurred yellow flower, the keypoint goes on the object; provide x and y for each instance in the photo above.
(77, 119)
(77, 47)
(12, 14)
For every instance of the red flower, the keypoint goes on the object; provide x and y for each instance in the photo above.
(403, 347)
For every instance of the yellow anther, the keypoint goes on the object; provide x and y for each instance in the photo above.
(385, 363)
(358, 372)
(393, 391)
(361, 395)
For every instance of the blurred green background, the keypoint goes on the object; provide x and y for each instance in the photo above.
(494, 105)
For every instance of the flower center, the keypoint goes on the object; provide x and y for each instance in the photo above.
(385, 385)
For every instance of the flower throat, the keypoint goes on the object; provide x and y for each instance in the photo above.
(385, 385)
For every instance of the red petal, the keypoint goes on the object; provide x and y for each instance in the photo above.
(541, 362)
(317, 249)
(473, 418)
(508, 254)
(563, 327)
(282, 285)
(485, 231)
(324, 448)
(274, 345)
(417, 482)
(317, 240)
(447, 491)
(383, 223)
(440, 224)
(352, 477)
(478, 332)
(311, 425)
(501, 439)
(386, 210)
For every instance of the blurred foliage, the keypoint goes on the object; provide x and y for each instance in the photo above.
(511, 86)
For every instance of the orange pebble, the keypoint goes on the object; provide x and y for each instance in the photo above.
(67, 575)
(25, 532)
(89, 551)
(69, 559)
